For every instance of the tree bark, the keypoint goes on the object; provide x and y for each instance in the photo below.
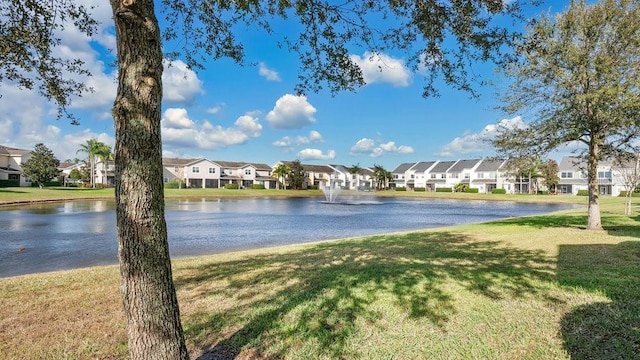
(151, 308)
(593, 211)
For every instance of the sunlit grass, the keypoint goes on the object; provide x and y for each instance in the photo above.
(538, 287)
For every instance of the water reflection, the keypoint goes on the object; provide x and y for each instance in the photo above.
(72, 234)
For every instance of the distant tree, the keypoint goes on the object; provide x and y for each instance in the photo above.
(281, 173)
(381, 177)
(627, 164)
(356, 170)
(75, 174)
(94, 150)
(42, 166)
(296, 175)
(578, 77)
(549, 172)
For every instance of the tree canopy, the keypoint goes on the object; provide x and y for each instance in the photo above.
(577, 79)
(42, 166)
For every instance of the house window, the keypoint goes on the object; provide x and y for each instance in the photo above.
(466, 176)
(195, 169)
(566, 175)
(175, 169)
(480, 175)
(212, 170)
(166, 180)
(443, 176)
(454, 176)
(433, 176)
(247, 171)
(604, 174)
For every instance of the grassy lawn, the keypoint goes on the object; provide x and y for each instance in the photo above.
(537, 287)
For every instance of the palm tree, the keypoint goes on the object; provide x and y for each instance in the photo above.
(281, 172)
(94, 148)
(356, 170)
(381, 175)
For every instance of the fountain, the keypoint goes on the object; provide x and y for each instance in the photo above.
(331, 192)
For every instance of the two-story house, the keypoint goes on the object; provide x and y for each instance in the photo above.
(10, 165)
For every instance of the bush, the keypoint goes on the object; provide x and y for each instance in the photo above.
(312, 187)
(583, 193)
(173, 184)
(257, 186)
(623, 193)
(421, 189)
(233, 186)
(499, 191)
(444, 189)
(9, 183)
(543, 192)
(471, 190)
(401, 188)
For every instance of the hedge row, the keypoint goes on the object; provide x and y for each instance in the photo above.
(499, 191)
(444, 189)
(9, 183)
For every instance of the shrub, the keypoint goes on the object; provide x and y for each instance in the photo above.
(583, 193)
(257, 186)
(401, 188)
(499, 191)
(543, 192)
(174, 184)
(9, 183)
(312, 187)
(444, 189)
(420, 189)
(471, 190)
(623, 193)
(233, 186)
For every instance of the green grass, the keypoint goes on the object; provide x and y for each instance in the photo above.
(538, 287)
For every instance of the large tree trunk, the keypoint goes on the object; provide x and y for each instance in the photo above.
(593, 211)
(151, 308)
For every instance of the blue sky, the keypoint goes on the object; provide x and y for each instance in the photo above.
(248, 113)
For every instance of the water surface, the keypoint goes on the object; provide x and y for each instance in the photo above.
(73, 234)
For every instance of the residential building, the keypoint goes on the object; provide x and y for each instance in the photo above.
(438, 175)
(401, 176)
(573, 177)
(421, 174)
(10, 165)
(65, 169)
(487, 176)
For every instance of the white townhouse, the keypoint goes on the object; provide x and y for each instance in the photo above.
(365, 180)
(342, 177)
(105, 172)
(460, 172)
(317, 175)
(573, 177)
(437, 177)
(262, 175)
(420, 173)
(487, 176)
(402, 176)
(10, 165)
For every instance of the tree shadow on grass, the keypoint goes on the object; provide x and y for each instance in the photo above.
(608, 330)
(5, 190)
(321, 293)
(613, 224)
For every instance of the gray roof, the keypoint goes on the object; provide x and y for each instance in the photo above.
(423, 166)
(177, 161)
(573, 163)
(313, 168)
(463, 164)
(490, 165)
(442, 166)
(403, 167)
(5, 150)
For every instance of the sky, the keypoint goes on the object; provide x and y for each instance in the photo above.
(230, 112)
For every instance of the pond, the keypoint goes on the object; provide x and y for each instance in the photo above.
(73, 234)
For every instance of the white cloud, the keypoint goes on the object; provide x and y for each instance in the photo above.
(314, 136)
(216, 109)
(180, 84)
(267, 73)
(378, 67)
(316, 154)
(374, 149)
(178, 130)
(291, 112)
(470, 142)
